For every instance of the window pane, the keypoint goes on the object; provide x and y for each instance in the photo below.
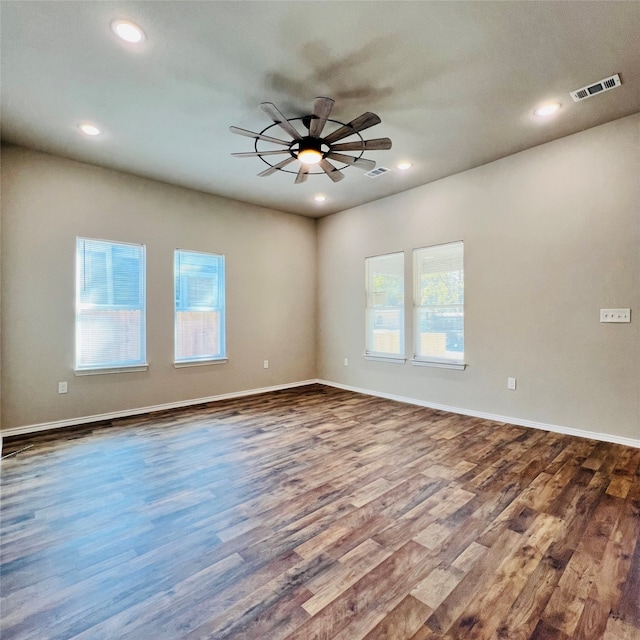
(385, 304)
(126, 277)
(200, 306)
(108, 338)
(439, 302)
(110, 313)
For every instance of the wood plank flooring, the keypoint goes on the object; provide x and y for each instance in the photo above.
(318, 514)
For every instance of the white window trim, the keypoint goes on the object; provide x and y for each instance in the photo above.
(440, 364)
(200, 361)
(379, 357)
(105, 370)
(399, 357)
(142, 308)
(181, 364)
(429, 360)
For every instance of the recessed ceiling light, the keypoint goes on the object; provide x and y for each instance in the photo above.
(320, 198)
(546, 109)
(127, 31)
(403, 166)
(89, 129)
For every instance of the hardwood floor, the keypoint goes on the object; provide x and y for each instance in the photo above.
(316, 513)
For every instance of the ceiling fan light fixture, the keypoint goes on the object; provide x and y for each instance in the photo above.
(320, 197)
(310, 156)
(315, 149)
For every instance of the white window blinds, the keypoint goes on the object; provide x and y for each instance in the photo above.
(199, 306)
(110, 305)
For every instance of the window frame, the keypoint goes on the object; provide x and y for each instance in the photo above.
(370, 311)
(179, 280)
(433, 360)
(106, 367)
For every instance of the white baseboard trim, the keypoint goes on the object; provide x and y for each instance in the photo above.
(46, 426)
(569, 431)
(74, 422)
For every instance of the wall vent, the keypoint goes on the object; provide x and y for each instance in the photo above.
(378, 171)
(595, 88)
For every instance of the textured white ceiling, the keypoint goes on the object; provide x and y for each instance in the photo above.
(455, 84)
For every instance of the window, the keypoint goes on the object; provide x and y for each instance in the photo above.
(110, 305)
(439, 304)
(385, 305)
(200, 307)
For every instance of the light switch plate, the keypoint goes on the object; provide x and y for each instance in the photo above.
(615, 315)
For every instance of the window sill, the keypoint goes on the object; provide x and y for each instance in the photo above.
(458, 366)
(382, 358)
(199, 363)
(106, 370)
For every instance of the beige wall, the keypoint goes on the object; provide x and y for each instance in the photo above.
(551, 235)
(271, 287)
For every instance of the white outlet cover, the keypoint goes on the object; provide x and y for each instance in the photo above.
(615, 315)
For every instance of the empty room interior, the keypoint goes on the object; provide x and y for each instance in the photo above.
(320, 320)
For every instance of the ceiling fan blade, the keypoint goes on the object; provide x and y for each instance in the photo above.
(252, 154)
(321, 110)
(330, 170)
(259, 136)
(272, 111)
(360, 123)
(302, 174)
(361, 163)
(376, 144)
(275, 167)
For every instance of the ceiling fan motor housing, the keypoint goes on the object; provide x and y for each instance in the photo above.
(308, 143)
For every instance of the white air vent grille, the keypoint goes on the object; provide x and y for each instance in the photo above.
(378, 171)
(595, 88)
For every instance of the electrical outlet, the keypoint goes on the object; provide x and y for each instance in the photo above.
(511, 384)
(346, 362)
(63, 387)
(266, 364)
(615, 315)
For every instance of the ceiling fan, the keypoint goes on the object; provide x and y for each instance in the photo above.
(310, 148)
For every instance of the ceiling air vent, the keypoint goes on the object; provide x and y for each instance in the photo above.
(374, 173)
(596, 87)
